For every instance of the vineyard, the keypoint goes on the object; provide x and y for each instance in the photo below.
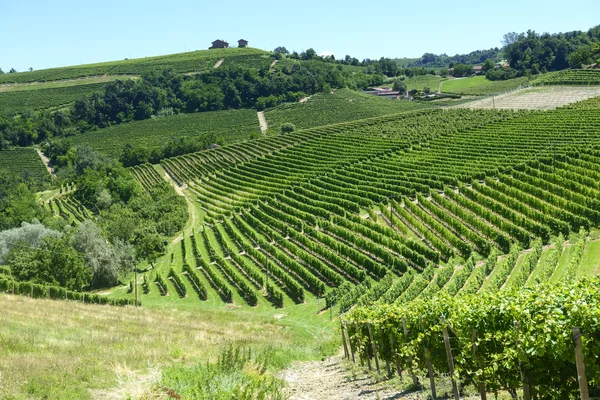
(195, 61)
(481, 86)
(23, 161)
(226, 126)
(391, 208)
(20, 101)
(340, 106)
(570, 77)
(535, 98)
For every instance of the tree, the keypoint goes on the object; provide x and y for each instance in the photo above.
(510, 38)
(106, 261)
(281, 50)
(12, 71)
(399, 86)
(287, 127)
(28, 235)
(487, 65)
(149, 246)
(444, 73)
(55, 262)
(1, 72)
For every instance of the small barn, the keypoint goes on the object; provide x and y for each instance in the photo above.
(242, 43)
(219, 44)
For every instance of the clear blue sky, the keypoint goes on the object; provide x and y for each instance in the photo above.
(42, 34)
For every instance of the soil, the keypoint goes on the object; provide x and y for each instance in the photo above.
(263, 122)
(46, 162)
(218, 63)
(330, 380)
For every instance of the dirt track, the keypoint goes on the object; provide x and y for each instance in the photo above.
(329, 380)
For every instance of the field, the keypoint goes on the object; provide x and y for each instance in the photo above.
(569, 77)
(536, 98)
(422, 81)
(68, 350)
(42, 98)
(23, 161)
(228, 126)
(329, 108)
(479, 85)
(195, 61)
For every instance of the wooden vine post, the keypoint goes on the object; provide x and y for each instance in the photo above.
(360, 354)
(526, 394)
(430, 372)
(373, 348)
(350, 344)
(450, 359)
(396, 361)
(410, 359)
(583, 386)
(346, 355)
(478, 361)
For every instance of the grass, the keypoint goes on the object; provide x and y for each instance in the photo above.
(589, 262)
(68, 350)
(423, 81)
(228, 126)
(479, 85)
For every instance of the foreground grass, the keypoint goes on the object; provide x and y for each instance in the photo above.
(67, 350)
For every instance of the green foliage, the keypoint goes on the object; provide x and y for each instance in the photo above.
(287, 127)
(195, 61)
(54, 262)
(527, 330)
(21, 101)
(237, 374)
(21, 162)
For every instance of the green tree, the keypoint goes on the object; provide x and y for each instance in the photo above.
(487, 65)
(281, 50)
(400, 86)
(55, 262)
(287, 127)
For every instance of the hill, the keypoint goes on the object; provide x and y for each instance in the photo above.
(194, 61)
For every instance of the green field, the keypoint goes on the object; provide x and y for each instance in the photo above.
(23, 161)
(479, 85)
(228, 126)
(329, 108)
(422, 81)
(42, 98)
(195, 61)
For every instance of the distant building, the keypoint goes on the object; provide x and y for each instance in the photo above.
(478, 69)
(242, 43)
(219, 44)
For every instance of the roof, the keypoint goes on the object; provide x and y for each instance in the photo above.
(243, 40)
(220, 41)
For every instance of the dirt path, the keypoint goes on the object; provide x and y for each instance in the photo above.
(218, 63)
(273, 63)
(262, 121)
(304, 99)
(46, 162)
(440, 87)
(329, 380)
(194, 217)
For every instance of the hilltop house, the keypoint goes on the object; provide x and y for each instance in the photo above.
(242, 43)
(219, 44)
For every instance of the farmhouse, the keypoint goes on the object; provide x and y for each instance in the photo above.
(219, 44)
(242, 43)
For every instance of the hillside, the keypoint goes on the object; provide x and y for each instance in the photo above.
(366, 215)
(194, 61)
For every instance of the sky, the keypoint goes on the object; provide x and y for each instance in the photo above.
(44, 34)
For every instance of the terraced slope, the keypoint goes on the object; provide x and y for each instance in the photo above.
(372, 200)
